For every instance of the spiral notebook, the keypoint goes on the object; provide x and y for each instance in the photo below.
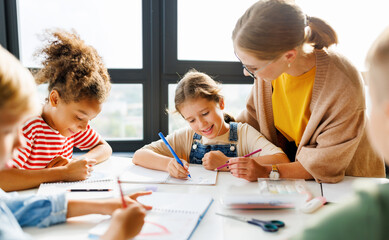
(88, 189)
(199, 176)
(174, 216)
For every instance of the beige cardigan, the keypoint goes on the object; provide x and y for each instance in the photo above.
(334, 143)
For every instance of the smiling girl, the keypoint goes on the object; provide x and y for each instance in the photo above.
(212, 138)
(78, 84)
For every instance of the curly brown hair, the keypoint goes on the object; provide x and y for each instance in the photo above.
(73, 68)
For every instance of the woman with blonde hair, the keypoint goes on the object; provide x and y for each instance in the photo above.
(306, 99)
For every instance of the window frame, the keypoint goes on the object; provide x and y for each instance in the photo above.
(223, 71)
(160, 65)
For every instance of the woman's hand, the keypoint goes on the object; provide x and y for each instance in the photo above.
(126, 223)
(214, 159)
(176, 170)
(247, 168)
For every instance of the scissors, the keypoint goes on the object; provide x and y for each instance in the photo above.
(267, 226)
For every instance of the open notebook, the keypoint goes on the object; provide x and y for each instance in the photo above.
(74, 190)
(174, 216)
(139, 174)
(99, 186)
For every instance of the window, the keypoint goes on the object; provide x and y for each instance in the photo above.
(99, 23)
(122, 116)
(144, 44)
(147, 44)
(116, 30)
(205, 28)
(357, 23)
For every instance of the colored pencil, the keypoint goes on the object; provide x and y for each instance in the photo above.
(89, 190)
(247, 155)
(171, 150)
(124, 205)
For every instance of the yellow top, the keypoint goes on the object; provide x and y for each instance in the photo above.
(291, 99)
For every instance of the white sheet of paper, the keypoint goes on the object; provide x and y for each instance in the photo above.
(174, 216)
(139, 174)
(199, 175)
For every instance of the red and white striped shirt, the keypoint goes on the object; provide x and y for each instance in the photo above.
(43, 144)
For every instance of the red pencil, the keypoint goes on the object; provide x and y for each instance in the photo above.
(124, 205)
(247, 155)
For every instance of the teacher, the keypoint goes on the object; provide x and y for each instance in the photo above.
(306, 99)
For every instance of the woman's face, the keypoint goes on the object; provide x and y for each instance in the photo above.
(11, 136)
(268, 70)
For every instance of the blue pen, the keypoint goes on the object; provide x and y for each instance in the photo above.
(171, 150)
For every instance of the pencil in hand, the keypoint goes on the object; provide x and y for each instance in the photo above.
(247, 155)
(171, 150)
(124, 205)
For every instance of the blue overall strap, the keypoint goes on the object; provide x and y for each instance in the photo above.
(196, 136)
(233, 132)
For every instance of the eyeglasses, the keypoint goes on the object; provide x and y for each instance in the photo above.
(251, 72)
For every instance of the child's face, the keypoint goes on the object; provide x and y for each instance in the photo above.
(378, 126)
(10, 136)
(204, 116)
(73, 117)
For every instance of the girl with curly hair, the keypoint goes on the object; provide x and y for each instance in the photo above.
(78, 84)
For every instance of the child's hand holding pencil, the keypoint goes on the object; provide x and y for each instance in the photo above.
(214, 159)
(247, 155)
(130, 199)
(176, 170)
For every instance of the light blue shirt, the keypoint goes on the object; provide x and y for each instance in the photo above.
(18, 211)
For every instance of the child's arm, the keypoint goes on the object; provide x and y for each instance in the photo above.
(215, 159)
(46, 210)
(25, 179)
(101, 152)
(106, 206)
(97, 147)
(150, 159)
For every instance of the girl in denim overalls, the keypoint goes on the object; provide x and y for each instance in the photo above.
(212, 138)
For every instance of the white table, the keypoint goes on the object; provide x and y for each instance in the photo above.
(211, 227)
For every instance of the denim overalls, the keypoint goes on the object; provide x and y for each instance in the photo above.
(198, 150)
